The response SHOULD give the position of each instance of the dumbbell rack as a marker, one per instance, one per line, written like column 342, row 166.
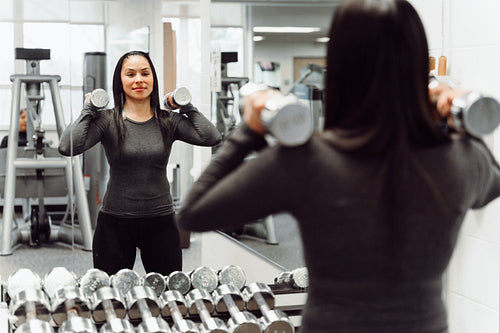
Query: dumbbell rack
column 288, row 299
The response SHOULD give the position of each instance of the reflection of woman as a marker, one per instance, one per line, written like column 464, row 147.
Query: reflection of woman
column 137, row 136
column 379, row 196
column 22, row 140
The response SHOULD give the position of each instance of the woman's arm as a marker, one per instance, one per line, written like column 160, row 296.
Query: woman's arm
column 83, row 133
column 196, row 129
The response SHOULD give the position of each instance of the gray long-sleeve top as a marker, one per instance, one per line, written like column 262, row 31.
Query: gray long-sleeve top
column 332, row 193
column 138, row 184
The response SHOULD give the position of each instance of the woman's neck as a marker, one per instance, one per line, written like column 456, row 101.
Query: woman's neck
column 137, row 110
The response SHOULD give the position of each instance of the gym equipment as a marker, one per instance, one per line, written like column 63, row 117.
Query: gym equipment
column 204, row 277
column 155, row 281
column 177, row 99
column 228, row 298
column 29, row 306
column 92, row 280
column 297, row 278
column 259, row 296
column 173, row 305
column 232, row 274
column 124, row 280
column 40, row 229
column 58, row 278
column 287, row 118
column 108, row 309
column 200, row 302
column 99, row 98
column 179, row 281
column 473, row 112
column 142, row 305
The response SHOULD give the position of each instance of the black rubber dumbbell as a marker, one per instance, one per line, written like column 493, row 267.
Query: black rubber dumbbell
column 258, row 296
column 228, row 298
column 142, row 305
column 200, row 302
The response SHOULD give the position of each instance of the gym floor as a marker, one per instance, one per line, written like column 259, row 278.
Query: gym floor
column 287, row 253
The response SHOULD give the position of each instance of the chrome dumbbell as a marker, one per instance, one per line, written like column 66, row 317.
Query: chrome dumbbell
column 228, row 298
column 258, row 296
column 297, row 278
column 124, row 280
column 173, row 304
column 232, row 274
column 177, row 99
column 200, row 302
column 178, row 280
column 155, row 281
column 99, row 98
column 142, row 305
column 204, row 277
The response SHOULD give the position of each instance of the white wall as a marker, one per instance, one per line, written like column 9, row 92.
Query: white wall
column 468, row 34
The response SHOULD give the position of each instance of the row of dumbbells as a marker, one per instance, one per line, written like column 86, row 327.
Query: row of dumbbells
column 108, row 300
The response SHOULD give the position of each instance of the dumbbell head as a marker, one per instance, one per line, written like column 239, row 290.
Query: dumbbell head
column 263, row 289
column 99, row 98
column 240, row 322
column 172, row 296
column 92, row 280
column 204, row 277
column 77, row 325
column 179, row 281
column 124, row 280
column 298, row 278
column 232, row 274
column 58, row 278
column 208, row 325
column 22, row 279
column 276, row 321
column 35, row 325
column 176, row 99
column 73, row 298
column 155, row 281
column 99, row 307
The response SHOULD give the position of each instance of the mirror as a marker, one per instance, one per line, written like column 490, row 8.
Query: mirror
column 280, row 57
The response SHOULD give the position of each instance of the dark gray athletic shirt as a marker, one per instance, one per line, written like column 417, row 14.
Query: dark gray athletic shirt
column 138, row 184
column 331, row 194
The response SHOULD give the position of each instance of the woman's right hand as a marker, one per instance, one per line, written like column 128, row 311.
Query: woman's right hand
column 253, row 106
column 443, row 95
column 87, row 98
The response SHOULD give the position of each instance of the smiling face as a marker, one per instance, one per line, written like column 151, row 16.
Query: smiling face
column 137, row 78
column 22, row 121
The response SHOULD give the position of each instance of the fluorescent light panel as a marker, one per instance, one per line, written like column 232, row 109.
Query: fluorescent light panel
column 299, row 30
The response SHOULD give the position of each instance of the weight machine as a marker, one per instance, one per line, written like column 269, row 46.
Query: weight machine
column 37, row 157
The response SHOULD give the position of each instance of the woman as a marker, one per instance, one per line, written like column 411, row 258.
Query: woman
column 379, row 195
column 137, row 136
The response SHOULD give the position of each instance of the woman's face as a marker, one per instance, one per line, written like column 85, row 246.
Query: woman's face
column 137, row 78
column 22, row 121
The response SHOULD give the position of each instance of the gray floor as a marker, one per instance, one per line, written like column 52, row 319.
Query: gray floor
column 287, row 253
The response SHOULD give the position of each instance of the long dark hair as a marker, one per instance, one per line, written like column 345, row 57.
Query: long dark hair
column 377, row 100
column 162, row 116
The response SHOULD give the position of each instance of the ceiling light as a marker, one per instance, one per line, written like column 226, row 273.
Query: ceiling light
column 258, row 38
column 286, row 29
column 323, row 39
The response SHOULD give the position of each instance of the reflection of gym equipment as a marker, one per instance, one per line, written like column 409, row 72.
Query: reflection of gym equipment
column 227, row 107
column 309, row 87
column 39, row 230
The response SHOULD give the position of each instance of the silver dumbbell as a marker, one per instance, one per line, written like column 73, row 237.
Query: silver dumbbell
column 142, row 305
column 200, row 303
column 29, row 306
column 155, row 281
column 92, row 280
column 204, row 277
column 179, row 281
column 177, row 99
column 228, row 298
column 288, row 119
column 173, row 304
column 232, row 274
column 99, row 98
column 108, row 309
column 259, row 296
column 297, row 278
column 70, row 308
column 124, row 280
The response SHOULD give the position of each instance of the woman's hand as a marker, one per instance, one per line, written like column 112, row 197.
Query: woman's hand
column 443, row 95
column 87, row 98
column 254, row 104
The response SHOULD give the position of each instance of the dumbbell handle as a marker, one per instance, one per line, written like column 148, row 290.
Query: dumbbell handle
column 202, row 310
column 144, row 309
column 109, row 310
column 261, row 302
column 30, row 311
column 175, row 312
column 231, row 306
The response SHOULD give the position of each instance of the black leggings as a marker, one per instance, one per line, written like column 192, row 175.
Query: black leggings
column 116, row 241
